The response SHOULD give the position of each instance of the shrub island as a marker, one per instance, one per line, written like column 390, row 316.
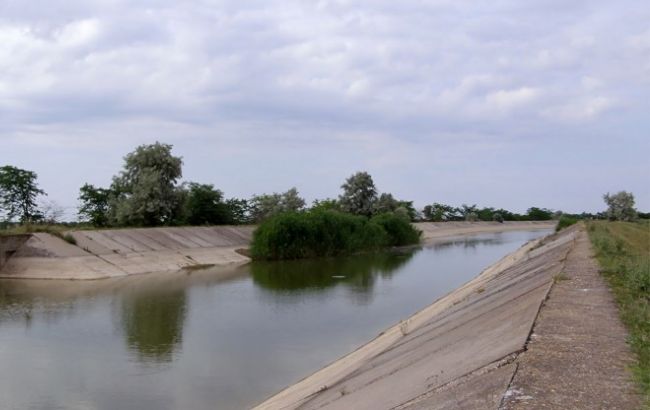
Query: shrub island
column 318, row 233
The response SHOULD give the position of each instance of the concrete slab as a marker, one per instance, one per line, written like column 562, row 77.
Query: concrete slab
column 85, row 241
column 577, row 357
column 474, row 327
column 481, row 391
column 104, row 240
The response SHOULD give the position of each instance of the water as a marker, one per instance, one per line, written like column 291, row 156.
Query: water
column 215, row 339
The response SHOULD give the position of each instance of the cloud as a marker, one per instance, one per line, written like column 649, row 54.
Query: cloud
column 507, row 100
column 581, row 110
column 293, row 75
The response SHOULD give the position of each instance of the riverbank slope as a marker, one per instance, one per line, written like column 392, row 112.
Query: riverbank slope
column 468, row 350
column 97, row 254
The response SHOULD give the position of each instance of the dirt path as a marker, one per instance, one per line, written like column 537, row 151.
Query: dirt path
column 577, row 354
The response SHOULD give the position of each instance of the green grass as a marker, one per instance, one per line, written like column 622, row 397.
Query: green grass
column 623, row 251
column 564, row 222
column 328, row 233
column 57, row 230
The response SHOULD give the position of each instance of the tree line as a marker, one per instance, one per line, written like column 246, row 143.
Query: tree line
column 147, row 192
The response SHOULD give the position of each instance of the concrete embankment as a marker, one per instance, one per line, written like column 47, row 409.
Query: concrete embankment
column 464, row 351
column 432, row 231
column 120, row 252
column 9, row 245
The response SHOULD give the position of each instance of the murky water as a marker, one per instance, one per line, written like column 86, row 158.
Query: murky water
column 214, row 339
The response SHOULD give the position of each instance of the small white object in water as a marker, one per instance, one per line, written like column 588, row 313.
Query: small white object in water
column 338, row 277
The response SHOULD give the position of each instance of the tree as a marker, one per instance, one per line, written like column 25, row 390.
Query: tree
column 507, row 215
column 18, row 193
column 94, row 204
column 325, row 204
column 291, row 201
column 486, row 214
column 267, row 205
column 145, row 192
column 620, row 206
column 204, row 205
column 386, row 203
column 539, row 214
column 359, row 194
column 409, row 208
column 440, row 212
column 469, row 212
column 239, row 211
column 50, row 212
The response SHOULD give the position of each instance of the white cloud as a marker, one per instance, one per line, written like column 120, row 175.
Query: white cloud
column 273, row 71
column 582, row 110
column 507, row 100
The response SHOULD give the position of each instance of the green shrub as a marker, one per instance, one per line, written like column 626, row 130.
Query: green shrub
column 565, row 221
column 328, row 233
column 400, row 231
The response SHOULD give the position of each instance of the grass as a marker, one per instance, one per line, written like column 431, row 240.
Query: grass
column 57, row 230
column 623, row 251
column 564, row 222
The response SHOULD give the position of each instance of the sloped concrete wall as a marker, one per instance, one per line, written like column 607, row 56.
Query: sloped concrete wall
column 458, row 353
column 121, row 252
column 9, row 245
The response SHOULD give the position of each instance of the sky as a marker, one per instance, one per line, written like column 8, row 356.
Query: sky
column 498, row 103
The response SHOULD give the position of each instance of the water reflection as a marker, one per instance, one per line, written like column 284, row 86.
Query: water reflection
column 466, row 242
column 244, row 333
column 358, row 273
column 153, row 324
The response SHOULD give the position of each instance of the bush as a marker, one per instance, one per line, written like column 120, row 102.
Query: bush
column 400, row 231
column 565, row 221
column 328, row 233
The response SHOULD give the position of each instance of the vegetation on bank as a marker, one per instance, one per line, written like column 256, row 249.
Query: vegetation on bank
column 148, row 191
column 565, row 221
column 623, row 251
column 329, row 233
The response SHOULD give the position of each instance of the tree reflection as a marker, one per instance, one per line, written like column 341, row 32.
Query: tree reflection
column 357, row 272
column 467, row 243
column 153, row 324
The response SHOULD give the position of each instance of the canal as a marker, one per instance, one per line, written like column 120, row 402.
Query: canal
column 215, row 338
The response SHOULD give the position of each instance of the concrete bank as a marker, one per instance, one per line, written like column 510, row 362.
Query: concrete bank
column 463, row 351
column 9, row 245
column 432, row 231
column 121, row 252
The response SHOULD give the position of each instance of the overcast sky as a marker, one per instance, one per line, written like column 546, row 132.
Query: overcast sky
column 501, row 103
